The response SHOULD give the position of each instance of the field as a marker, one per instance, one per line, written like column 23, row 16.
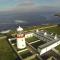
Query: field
column 28, row 55
column 25, row 54
column 55, row 30
column 32, row 39
column 38, row 44
column 6, row 52
column 58, row 48
column 31, row 28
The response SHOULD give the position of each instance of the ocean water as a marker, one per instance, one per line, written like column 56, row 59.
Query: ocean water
column 10, row 21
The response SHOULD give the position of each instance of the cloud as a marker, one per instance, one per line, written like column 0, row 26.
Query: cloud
column 25, row 6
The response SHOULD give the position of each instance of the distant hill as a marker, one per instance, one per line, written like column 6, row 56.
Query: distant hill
column 58, row 14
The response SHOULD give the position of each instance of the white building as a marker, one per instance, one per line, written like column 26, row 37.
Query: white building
column 49, row 45
column 56, row 37
column 37, row 30
column 29, row 35
column 45, row 34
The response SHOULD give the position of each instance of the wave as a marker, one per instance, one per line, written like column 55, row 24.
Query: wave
column 20, row 21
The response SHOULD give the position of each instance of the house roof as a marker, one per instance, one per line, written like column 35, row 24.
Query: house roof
column 48, row 44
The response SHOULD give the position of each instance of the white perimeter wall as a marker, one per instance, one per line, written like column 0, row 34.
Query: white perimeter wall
column 44, row 50
column 29, row 35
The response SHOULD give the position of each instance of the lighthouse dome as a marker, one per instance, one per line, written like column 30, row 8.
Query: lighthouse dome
column 19, row 29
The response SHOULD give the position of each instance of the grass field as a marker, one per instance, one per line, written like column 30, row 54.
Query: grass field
column 6, row 52
column 58, row 48
column 25, row 54
column 35, row 27
column 38, row 44
column 55, row 30
column 32, row 39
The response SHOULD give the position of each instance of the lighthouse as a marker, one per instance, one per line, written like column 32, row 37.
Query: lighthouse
column 20, row 38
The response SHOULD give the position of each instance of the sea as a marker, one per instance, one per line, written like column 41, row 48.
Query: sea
column 13, row 20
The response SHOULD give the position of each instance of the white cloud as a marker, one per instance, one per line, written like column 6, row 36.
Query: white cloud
column 25, row 6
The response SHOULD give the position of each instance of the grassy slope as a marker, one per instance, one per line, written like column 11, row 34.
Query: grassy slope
column 5, row 51
column 35, row 27
column 54, row 30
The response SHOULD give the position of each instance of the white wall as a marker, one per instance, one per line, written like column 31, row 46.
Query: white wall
column 44, row 50
column 21, row 43
column 29, row 35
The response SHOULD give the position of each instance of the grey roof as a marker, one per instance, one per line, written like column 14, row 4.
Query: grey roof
column 48, row 44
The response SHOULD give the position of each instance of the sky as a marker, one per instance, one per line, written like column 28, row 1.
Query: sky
column 19, row 5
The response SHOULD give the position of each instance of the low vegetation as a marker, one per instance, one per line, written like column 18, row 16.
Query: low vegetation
column 25, row 54
column 31, row 39
column 6, row 52
column 38, row 44
column 55, row 30
column 58, row 48
column 35, row 27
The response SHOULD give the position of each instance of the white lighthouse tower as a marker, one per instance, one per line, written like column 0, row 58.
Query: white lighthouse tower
column 20, row 38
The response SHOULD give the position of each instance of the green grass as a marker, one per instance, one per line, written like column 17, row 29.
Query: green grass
column 1, row 35
column 6, row 52
column 31, row 39
column 38, row 44
column 35, row 27
column 55, row 30
column 25, row 54
column 31, row 28
column 58, row 48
